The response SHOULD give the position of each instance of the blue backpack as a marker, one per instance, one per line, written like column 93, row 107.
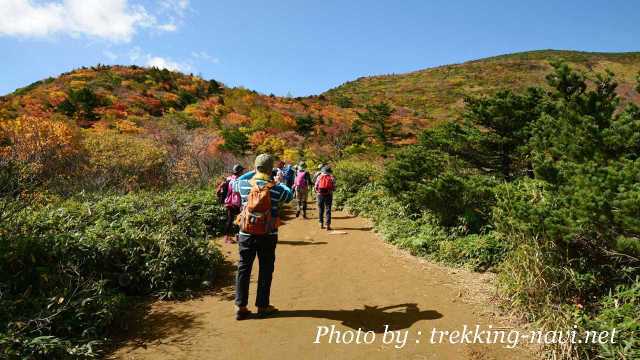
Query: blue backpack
column 288, row 173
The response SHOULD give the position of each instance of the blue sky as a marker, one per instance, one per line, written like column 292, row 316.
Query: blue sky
column 295, row 47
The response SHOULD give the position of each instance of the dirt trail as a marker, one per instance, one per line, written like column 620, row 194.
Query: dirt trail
column 351, row 280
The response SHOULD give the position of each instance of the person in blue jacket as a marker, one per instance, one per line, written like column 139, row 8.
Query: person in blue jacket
column 264, row 246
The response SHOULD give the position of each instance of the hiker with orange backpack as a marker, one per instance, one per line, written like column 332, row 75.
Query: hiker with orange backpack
column 231, row 201
column 301, row 188
column 258, row 220
column 324, row 187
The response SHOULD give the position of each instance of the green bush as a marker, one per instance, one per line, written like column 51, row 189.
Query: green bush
column 352, row 175
column 619, row 310
column 435, row 181
column 67, row 269
column 422, row 234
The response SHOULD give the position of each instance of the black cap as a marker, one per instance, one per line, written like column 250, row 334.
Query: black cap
column 237, row 168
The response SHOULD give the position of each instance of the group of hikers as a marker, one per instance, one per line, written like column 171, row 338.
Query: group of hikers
column 253, row 201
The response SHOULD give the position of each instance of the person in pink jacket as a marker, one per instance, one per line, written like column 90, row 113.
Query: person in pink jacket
column 232, row 203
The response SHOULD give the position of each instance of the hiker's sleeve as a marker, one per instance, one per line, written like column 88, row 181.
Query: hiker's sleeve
column 287, row 194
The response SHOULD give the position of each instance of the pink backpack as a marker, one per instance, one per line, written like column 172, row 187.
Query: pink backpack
column 233, row 198
column 301, row 180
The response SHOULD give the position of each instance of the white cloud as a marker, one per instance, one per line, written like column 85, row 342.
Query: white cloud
column 137, row 56
column 162, row 63
column 203, row 55
column 113, row 20
column 23, row 18
column 168, row 27
column 175, row 11
column 177, row 7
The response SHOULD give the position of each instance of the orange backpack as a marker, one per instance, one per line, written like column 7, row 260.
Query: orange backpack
column 256, row 217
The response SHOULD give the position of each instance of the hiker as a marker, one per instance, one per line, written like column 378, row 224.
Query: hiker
column 278, row 172
column 258, row 220
column 289, row 175
column 324, row 186
column 301, row 187
column 232, row 202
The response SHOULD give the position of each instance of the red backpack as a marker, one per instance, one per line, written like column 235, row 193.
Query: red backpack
column 325, row 183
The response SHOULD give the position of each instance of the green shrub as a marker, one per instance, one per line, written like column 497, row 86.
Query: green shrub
column 479, row 252
column 619, row 310
column 422, row 234
column 67, row 268
column 435, row 181
column 352, row 175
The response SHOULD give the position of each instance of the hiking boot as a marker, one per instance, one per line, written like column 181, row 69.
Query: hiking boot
column 242, row 314
column 328, row 227
column 297, row 214
column 266, row 311
column 321, row 226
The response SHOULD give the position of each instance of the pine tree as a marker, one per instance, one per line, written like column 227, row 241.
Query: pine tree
column 382, row 127
column 235, row 141
column 305, row 125
column 504, row 120
column 589, row 149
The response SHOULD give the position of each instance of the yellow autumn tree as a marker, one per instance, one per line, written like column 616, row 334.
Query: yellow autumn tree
column 272, row 145
column 47, row 145
column 123, row 161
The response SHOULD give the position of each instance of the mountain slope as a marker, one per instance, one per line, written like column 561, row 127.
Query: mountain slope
column 437, row 93
column 187, row 124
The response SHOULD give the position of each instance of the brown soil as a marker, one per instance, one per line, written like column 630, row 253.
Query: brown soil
column 350, row 279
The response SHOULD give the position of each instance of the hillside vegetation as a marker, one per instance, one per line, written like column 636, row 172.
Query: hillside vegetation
column 182, row 127
column 437, row 94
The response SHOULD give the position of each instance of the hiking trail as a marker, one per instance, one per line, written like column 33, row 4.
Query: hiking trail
column 350, row 279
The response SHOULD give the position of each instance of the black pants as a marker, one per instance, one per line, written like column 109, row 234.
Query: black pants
column 265, row 247
column 325, row 201
column 229, row 227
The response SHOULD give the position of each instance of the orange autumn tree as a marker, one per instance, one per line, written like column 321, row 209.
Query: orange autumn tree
column 47, row 145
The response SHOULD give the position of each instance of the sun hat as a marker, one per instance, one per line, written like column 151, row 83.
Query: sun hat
column 264, row 163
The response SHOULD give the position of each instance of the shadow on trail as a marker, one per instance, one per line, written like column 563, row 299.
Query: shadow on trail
column 371, row 318
column 366, row 228
column 301, row 243
column 224, row 281
column 145, row 326
column 157, row 326
column 343, row 217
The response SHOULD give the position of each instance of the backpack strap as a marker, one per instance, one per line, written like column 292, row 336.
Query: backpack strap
column 269, row 185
